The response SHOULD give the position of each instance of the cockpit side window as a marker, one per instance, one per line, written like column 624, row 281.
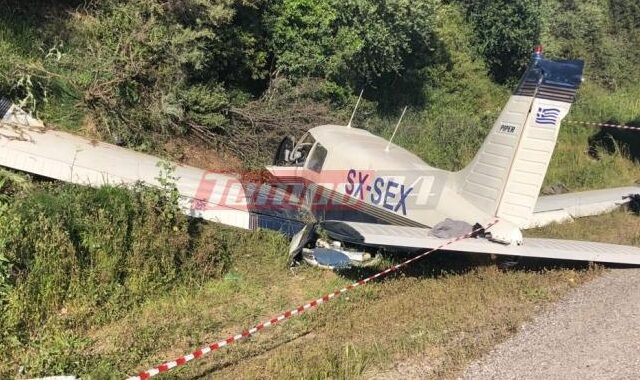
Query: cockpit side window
column 316, row 160
column 307, row 139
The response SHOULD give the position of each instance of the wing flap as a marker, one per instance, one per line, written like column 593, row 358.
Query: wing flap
column 413, row 237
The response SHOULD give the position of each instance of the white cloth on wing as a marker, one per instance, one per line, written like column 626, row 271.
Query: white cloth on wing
column 450, row 228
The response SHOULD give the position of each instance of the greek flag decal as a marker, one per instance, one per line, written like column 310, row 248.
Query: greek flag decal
column 547, row 116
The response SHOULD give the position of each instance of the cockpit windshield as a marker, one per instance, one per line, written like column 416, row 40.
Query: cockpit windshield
column 301, row 150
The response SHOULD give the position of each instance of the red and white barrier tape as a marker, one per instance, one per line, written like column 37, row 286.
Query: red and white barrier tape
column 603, row 125
column 290, row 313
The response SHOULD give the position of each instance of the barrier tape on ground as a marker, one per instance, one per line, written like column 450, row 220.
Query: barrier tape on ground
column 603, row 125
column 167, row 366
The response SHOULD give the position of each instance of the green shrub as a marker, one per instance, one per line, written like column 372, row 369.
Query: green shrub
column 355, row 43
column 146, row 70
column 57, row 350
column 506, row 32
column 135, row 67
column 592, row 31
column 625, row 15
column 462, row 101
column 78, row 248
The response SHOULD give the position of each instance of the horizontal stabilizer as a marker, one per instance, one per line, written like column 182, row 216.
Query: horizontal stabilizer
column 420, row 238
column 565, row 207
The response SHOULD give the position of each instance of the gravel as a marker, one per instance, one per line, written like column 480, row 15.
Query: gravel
column 593, row 333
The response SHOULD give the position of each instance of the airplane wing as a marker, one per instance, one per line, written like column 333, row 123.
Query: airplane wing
column 420, row 238
column 566, row 207
column 27, row 145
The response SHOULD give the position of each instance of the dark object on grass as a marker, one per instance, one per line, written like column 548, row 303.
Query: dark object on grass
column 634, row 203
column 612, row 140
column 558, row 188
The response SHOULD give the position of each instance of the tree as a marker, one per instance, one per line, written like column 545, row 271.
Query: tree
column 506, row 32
column 625, row 14
column 352, row 42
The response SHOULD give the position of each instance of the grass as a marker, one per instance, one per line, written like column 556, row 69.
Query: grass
column 597, row 103
column 446, row 310
column 571, row 165
column 620, row 227
column 53, row 90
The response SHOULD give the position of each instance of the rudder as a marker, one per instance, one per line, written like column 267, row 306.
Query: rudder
column 505, row 177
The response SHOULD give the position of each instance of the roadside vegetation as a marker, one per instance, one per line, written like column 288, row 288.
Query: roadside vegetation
column 102, row 283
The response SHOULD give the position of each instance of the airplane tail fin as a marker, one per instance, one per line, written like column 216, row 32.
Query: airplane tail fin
column 505, row 177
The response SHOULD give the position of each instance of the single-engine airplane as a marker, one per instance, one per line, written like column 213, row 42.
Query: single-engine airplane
column 367, row 194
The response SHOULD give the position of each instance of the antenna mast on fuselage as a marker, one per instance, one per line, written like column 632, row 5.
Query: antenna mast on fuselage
column 395, row 130
column 355, row 109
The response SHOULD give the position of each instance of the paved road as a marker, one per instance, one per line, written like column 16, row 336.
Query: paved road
column 593, row 333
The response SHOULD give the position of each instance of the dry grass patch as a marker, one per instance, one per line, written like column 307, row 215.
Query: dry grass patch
column 444, row 311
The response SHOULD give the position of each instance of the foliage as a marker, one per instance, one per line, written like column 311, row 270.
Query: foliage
column 506, row 32
column 75, row 258
column 625, row 15
column 146, row 69
column 145, row 55
column 462, row 102
column 303, row 34
column 72, row 250
column 590, row 30
column 138, row 72
column 139, row 69
column 357, row 43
